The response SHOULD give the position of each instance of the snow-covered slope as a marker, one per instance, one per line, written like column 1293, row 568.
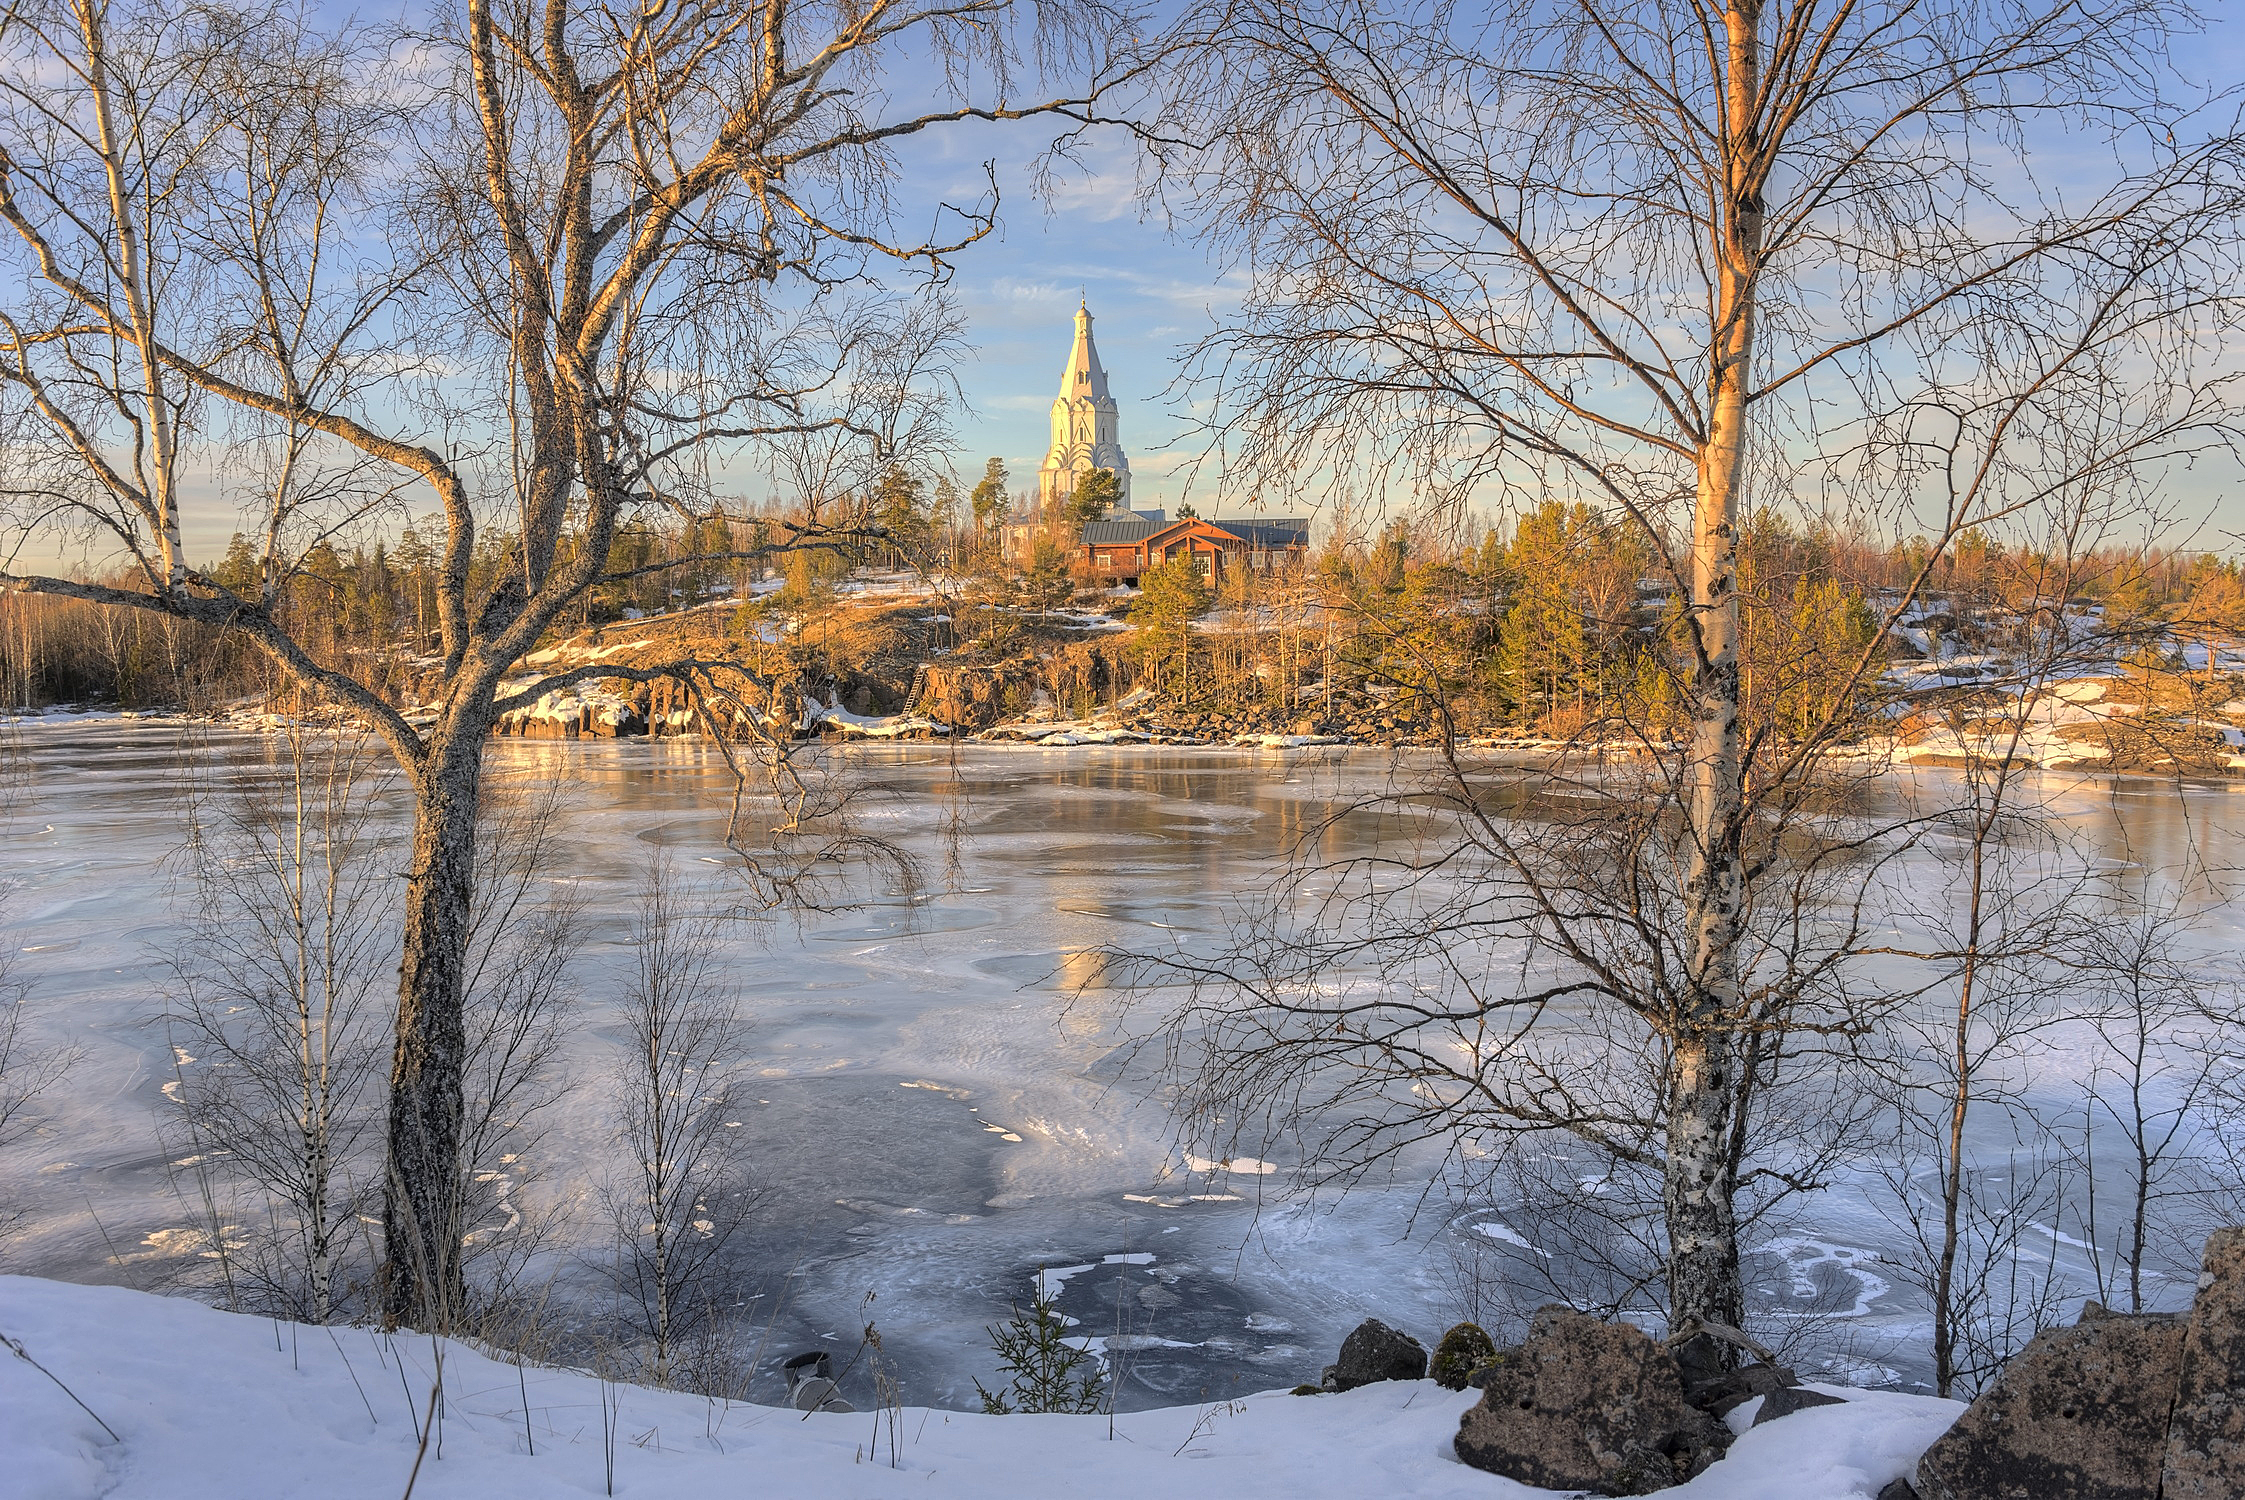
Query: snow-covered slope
column 208, row 1404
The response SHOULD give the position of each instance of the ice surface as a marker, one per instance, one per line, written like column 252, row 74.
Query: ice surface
column 940, row 1111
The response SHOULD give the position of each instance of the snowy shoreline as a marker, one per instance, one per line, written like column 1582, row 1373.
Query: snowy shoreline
column 1944, row 752
column 207, row 1403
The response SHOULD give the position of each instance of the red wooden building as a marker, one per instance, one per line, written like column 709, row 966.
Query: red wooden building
column 1122, row 551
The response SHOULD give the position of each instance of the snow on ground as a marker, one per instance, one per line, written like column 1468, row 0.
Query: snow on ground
column 875, row 727
column 209, row 1404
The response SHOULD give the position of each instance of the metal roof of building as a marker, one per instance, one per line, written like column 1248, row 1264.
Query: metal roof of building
column 1283, row 533
column 1292, row 532
column 1119, row 533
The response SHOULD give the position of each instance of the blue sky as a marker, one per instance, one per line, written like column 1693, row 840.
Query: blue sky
column 1152, row 293
column 1149, row 294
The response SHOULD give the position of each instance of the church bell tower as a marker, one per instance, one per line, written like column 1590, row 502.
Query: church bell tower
column 1083, row 426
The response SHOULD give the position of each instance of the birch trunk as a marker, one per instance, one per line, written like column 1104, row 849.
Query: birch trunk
column 1701, row 1177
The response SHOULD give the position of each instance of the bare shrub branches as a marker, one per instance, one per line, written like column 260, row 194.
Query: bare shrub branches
column 279, row 1022
column 279, row 1019
column 681, row 1193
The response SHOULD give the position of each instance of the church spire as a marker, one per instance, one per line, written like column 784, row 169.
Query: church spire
column 1084, row 378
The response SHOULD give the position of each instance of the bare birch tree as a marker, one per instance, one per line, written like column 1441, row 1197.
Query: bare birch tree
column 551, row 275
column 2148, row 1148
column 279, row 1018
column 683, row 1192
column 1974, row 1170
column 278, row 1014
column 1682, row 259
column 526, row 933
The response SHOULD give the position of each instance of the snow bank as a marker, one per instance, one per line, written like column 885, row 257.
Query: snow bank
column 860, row 726
column 1064, row 732
column 208, row 1404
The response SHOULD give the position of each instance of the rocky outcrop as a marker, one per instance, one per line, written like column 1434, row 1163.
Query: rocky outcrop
column 1374, row 1352
column 2205, row 1453
column 570, row 714
column 966, row 697
column 1587, row 1405
column 2080, row 1414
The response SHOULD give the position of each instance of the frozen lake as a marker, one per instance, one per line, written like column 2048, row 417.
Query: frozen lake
column 938, row 1113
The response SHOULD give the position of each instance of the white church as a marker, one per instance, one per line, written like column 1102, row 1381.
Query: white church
column 1126, row 540
column 1084, row 430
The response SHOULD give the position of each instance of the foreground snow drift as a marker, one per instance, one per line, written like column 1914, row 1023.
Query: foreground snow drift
column 210, row 1404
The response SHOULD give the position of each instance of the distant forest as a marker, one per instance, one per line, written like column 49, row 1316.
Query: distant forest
column 1551, row 624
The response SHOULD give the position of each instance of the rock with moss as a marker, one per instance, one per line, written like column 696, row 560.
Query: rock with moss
column 1463, row 1350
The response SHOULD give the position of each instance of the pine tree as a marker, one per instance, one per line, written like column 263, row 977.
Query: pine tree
column 1094, row 495
column 239, row 570
column 943, row 510
column 1048, row 581
column 987, row 501
column 900, row 508
column 1033, row 1347
column 1170, row 597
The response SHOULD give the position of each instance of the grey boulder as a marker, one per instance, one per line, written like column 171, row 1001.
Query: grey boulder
column 2079, row 1414
column 1792, row 1398
column 811, row 1385
column 1588, row 1405
column 1375, row 1352
column 2205, row 1458
column 1718, row 1394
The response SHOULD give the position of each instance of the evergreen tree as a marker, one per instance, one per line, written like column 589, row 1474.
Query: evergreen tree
column 1170, row 597
column 943, row 510
column 1828, row 626
column 238, row 570
column 1543, row 649
column 1390, row 556
column 1048, row 581
column 987, row 501
column 1094, row 495
column 1033, row 1347
column 416, row 563
column 2216, row 611
column 900, row 508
